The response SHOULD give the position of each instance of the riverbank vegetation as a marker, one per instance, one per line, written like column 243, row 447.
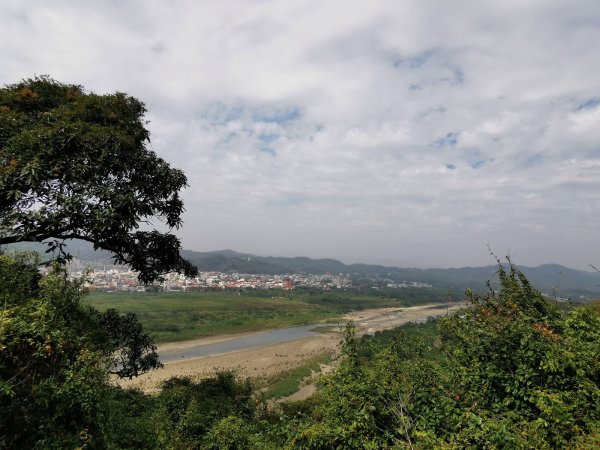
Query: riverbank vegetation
column 179, row 316
column 288, row 382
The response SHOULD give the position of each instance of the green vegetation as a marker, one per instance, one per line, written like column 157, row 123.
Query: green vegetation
column 180, row 316
column 55, row 355
column 327, row 329
column 512, row 370
column 287, row 382
column 214, row 413
column 359, row 299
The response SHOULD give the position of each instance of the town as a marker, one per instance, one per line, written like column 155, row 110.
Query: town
column 114, row 278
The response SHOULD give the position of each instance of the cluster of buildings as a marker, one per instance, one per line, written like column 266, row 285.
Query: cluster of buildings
column 111, row 278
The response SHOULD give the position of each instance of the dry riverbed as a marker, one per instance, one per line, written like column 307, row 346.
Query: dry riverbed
column 259, row 362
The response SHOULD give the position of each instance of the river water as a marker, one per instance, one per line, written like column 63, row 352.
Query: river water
column 386, row 319
column 240, row 343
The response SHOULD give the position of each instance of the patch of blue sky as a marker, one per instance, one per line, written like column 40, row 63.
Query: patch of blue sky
column 267, row 138
column 476, row 158
column 414, row 62
column 231, row 136
column 281, row 116
column 451, row 166
column 533, row 160
column 220, row 114
column 594, row 153
column 589, row 104
column 266, row 149
column 450, row 140
column 478, row 164
column 432, row 112
column 458, row 76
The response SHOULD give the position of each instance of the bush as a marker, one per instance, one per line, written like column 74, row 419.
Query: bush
column 55, row 354
column 53, row 386
column 511, row 370
column 187, row 411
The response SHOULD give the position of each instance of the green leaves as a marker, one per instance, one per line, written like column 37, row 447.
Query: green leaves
column 131, row 351
column 76, row 165
column 510, row 371
column 52, row 381
column 55, row 354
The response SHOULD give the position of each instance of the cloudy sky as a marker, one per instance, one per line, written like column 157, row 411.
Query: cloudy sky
column 410, row 133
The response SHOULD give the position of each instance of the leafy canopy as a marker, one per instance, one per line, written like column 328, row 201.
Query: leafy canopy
column 76, row 165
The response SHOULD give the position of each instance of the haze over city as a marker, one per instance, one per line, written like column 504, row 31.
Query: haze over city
column 409, row 133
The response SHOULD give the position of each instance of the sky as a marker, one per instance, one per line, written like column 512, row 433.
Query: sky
column 413, row 133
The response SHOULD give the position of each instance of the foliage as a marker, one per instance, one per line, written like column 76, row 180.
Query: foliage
column 287, row 382
column 522, row 363
column 54, row 355
column 131, row 422
column 231, row 433
column 132, row 351
column 77, row 165
column 511, row 370
column 214, row 413
column 187, row 411
column 52, row 382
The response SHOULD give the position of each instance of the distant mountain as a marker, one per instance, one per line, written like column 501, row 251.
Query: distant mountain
column 230, row 261
column 550, row 278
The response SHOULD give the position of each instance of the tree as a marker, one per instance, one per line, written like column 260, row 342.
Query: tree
column 76, row 165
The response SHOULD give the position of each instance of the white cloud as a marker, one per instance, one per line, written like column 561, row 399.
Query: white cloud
column 411, row 132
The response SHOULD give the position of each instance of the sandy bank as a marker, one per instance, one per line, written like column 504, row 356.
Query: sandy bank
column 254, row 362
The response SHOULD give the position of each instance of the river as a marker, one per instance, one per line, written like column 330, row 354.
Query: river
column 367, row 321
column 240, row 343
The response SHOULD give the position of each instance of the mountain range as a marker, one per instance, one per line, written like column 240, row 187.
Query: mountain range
column 549, row 278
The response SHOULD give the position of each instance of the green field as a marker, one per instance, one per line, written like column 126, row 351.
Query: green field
column 180, row 316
